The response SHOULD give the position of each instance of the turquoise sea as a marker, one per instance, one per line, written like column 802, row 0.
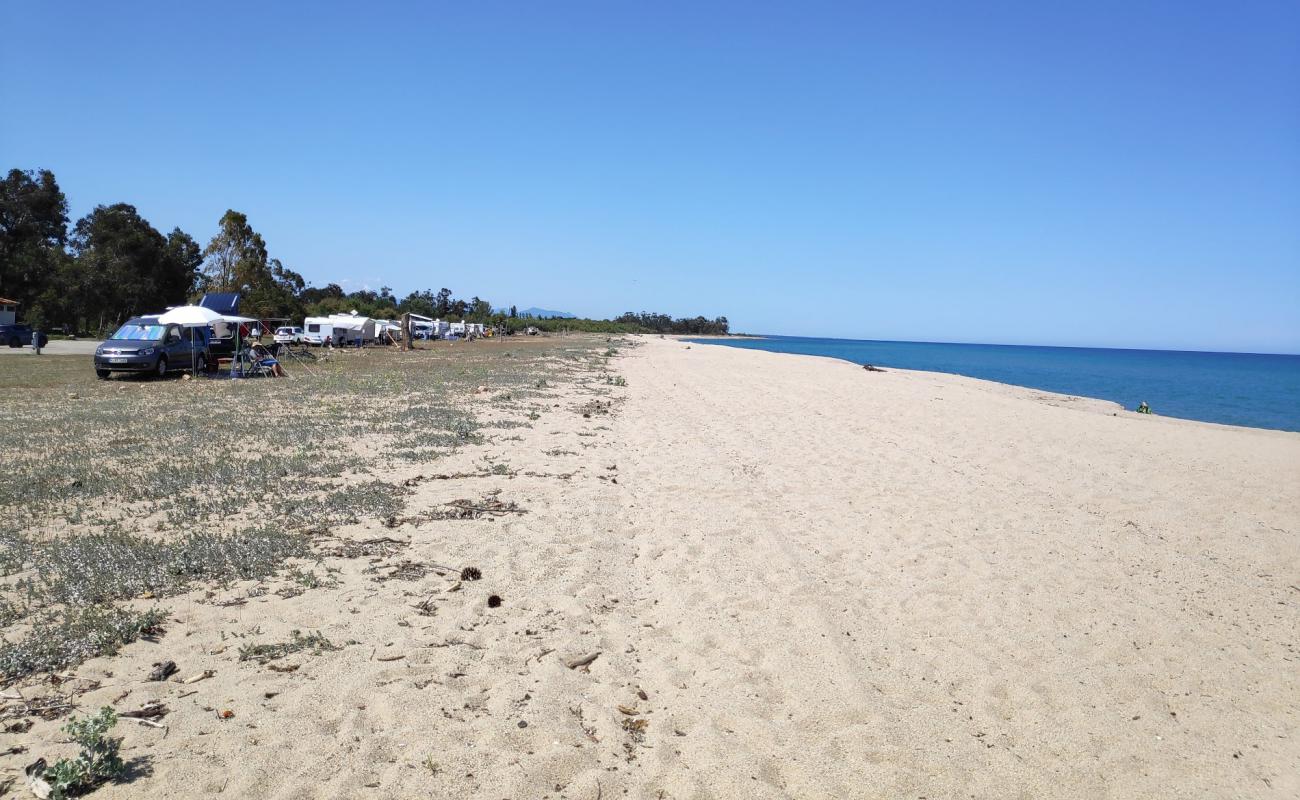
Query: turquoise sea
column 1261, row 391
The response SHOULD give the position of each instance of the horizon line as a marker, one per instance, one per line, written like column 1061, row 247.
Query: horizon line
column 1007, row 344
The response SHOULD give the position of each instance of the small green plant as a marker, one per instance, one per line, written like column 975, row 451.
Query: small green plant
column 616, row 380
column 98, row 761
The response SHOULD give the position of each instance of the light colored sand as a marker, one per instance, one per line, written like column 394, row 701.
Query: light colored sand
column 828, row 583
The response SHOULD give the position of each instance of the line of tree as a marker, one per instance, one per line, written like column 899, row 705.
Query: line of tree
column 662, row 323
column 112, row 264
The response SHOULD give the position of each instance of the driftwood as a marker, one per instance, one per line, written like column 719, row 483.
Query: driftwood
column 582, row 662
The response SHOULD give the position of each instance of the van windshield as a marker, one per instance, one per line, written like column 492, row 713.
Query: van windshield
column 140, row 332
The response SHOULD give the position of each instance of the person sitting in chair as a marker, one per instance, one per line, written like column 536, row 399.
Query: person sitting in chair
column 264, row 358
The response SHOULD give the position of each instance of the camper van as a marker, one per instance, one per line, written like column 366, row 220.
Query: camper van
column 360, row 330
column 322, row 331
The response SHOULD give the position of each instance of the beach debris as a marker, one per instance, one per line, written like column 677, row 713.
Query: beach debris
column 204, row 675
column 397, row 657
column 494, row 601
column 19, row 726
column 36, row 783
column 263, row 653
column 872, row 368
column 628, row 710
column 162, row 670
column 283, row 667
column 425, row 607
column 489, row 505
column 153, row 710
column 458, row 642
column 470, row 574
column 582, row 661
column 588, row 730
column 641, row 694
column 545, row 652
column 225, row 714
column 49, row 707
column 406, row 570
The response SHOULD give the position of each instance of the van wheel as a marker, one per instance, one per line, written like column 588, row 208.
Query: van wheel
column 102, row 374
column 13, row 341
column 162, row 366
column 203, row 364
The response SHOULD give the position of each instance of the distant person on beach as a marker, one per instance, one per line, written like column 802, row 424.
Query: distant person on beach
column 1143, row 408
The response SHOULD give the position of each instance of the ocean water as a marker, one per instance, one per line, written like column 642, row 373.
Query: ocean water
column 1261, row 391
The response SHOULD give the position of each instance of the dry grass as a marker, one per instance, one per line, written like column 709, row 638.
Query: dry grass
column 130, row 490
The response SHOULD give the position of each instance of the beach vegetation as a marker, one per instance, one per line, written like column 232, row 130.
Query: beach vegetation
column 97, row 762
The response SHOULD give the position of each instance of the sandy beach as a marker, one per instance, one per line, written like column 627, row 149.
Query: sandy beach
column 797, row 579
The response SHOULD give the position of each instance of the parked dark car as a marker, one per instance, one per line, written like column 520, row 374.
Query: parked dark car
column 145, row 345
column 19, row 336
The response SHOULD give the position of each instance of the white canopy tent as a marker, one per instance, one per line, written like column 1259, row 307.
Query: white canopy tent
column 189, row 316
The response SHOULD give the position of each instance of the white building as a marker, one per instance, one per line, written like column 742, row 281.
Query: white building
column 8, row 311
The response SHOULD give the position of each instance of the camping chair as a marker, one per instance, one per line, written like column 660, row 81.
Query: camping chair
column 248, row 365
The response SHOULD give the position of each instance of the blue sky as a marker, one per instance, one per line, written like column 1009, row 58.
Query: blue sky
column 1105, row 173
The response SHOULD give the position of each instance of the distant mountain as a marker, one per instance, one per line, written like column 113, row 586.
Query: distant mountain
column 544, row 312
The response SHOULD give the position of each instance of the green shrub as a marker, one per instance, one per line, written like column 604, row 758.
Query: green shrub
column 53, row 643
column 98, row 761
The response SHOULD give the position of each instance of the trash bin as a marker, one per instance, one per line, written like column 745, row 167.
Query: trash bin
column 36, row 341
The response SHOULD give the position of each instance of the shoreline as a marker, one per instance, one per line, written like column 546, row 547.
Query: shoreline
column 1111, row 405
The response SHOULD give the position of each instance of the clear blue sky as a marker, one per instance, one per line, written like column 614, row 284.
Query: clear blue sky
column 1103, row 173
